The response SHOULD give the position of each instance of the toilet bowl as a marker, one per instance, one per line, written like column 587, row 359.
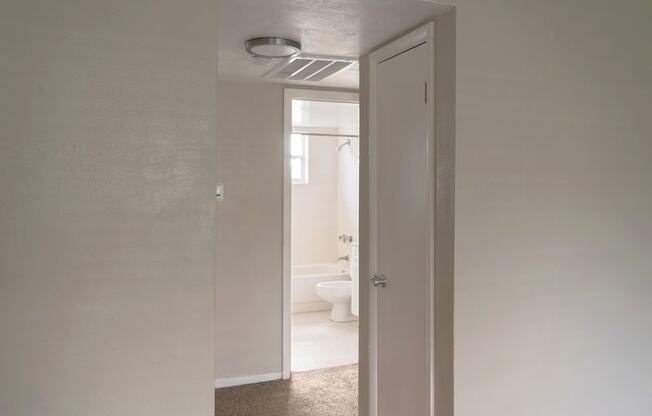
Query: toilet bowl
column 338, row 293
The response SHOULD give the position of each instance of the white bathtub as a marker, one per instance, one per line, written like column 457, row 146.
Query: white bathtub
column 304, row 279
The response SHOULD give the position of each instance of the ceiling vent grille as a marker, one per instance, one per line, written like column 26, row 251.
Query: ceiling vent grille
column 309, row 68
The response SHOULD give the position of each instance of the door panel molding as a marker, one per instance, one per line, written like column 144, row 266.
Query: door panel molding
column 440, row 213
column 439, row 34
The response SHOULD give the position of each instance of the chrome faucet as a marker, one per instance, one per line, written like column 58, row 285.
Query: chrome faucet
column 345, row 238
column 343, row 258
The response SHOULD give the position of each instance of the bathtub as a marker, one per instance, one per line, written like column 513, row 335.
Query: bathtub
column 303, row 281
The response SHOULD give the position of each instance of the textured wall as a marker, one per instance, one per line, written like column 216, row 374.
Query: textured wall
column 553, row 278
column 249, row 229
column 107, row 132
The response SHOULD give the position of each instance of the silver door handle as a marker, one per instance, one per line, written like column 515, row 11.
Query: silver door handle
column 379, row 280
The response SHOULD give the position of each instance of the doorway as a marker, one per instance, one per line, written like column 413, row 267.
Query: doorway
column 321, row 230
column 433, row 325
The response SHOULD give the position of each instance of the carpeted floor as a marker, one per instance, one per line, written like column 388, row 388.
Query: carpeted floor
column 325, row 392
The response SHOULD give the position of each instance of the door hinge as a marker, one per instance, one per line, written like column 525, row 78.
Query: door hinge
column 425, row 92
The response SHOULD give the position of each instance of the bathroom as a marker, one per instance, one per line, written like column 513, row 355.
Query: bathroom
column 324, row 171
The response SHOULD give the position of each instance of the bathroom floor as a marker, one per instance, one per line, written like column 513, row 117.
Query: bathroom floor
column 317, row 342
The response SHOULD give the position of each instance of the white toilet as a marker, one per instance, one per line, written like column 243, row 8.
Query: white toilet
column 337, row 292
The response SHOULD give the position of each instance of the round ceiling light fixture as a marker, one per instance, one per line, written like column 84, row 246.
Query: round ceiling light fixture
column 273, row 47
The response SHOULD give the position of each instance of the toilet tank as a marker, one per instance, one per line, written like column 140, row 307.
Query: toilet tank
column 355, row 276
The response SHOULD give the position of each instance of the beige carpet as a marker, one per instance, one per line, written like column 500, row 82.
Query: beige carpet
column 327, row 392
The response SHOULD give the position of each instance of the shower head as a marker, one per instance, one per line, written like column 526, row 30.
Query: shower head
column 346, row 143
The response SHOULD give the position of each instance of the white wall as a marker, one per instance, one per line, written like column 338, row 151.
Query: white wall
column 318, row 115
column 327, row 206
column 315, row 206
column 347, row 193
column 553, row 280
column 249, row 230
column 107, row 135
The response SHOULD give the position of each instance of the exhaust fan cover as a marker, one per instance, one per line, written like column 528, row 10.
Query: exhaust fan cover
column 309, row 68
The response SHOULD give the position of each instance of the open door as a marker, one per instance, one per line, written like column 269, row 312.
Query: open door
column 402, row 215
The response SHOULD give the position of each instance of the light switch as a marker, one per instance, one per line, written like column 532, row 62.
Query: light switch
column 219, row 192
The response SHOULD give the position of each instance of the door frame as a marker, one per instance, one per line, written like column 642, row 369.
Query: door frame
column 424, row 34
column 289, row 95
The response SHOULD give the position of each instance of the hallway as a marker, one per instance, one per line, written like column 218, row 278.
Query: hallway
column 326, row 392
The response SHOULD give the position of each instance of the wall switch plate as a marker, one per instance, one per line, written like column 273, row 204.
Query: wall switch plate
column 219, row 192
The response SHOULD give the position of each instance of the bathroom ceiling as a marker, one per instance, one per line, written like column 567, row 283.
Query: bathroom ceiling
column 346, row 28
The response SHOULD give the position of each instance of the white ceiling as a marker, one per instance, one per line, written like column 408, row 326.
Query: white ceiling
column 347, row 28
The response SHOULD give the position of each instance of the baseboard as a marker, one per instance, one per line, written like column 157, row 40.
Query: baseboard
column 311, row 307
column 239, row 381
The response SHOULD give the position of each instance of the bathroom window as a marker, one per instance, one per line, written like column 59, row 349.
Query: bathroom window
column 299, row 158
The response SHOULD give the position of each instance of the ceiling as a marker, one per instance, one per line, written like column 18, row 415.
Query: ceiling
column 346, row 28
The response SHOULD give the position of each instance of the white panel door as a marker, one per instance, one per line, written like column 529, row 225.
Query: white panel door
column 401, row 172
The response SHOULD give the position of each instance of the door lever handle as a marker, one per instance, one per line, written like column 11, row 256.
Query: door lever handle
column 379, row 280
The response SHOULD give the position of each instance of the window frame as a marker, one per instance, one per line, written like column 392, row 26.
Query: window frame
column 304, row 157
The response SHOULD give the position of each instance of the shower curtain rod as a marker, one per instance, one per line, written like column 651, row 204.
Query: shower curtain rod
column 325, row 134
